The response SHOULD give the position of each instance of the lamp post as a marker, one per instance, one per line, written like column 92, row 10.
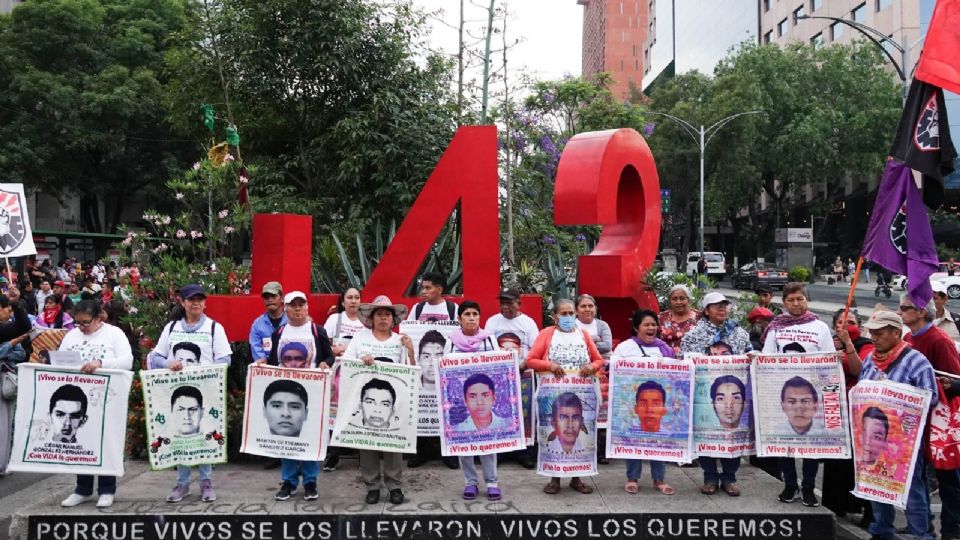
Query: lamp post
column 701, row 136
column 879, row 38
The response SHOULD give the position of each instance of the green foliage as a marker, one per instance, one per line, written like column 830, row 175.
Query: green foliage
column 81, row 112
column 800, row 274
column 945, row 252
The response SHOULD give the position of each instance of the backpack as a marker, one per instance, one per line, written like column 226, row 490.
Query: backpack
column 213, row 327
column 451, row 310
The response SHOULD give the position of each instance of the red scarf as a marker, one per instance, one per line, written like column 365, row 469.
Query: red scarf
column 883, row 360
column 50, row 314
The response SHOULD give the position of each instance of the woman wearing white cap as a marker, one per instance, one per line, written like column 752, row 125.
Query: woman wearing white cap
column 381, row 343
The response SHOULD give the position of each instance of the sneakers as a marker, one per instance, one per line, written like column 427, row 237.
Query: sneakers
column 75, row 499
column 286, row 490
column 105, row 500
column 452, row 463
column 373, row 496
column 310, row 491
column 808, row 498
column 330, row 464
column 788, row 495
column 178, row 492
column 396, row 496
column 207, row 494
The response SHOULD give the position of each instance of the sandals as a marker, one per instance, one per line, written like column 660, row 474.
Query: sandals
column 708, row 489
column 552, row 487
column 493, row 494
column 663, row 487
column 578, row 485
column 470, row 492
column 631, row 486
column 732, row 489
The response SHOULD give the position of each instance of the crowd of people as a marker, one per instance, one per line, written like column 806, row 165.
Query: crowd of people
column 905, row 345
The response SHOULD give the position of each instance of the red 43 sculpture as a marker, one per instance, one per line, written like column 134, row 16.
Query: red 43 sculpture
column 604, row 178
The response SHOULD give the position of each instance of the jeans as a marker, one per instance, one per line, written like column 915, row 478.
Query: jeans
column 106, row 485
column 918, row 509
column 949, row 482
column 788, row 467
column 710, row 475
column 469, row 468
column 658, row 469
column 291, row 470
column 183, row 473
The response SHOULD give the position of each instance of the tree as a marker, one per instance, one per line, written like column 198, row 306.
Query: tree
column 334, row 106
column 81, row 112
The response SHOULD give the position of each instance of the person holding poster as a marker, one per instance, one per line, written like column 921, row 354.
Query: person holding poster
column 650, row 400
column 263, row 327
column 894, row 360
column 511, row 320
column 100, row 346
column 300, row 343
column 341, row 327
column 798, row 330
column 379, row 342
column 559, row 349
column 285, row 406
column 194, row 327
column 714, row 333
column 480, row 396
column 429, row 349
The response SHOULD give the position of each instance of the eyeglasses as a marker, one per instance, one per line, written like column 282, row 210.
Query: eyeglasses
column 82, row 323
column 907, row 308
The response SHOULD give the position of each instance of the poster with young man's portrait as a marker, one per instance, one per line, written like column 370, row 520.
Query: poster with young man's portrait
column 429, row 339
column 284, row 414
column 186, row 414
column 65, row 420
column 651, row 409
column 567, row 409
column 378, row 407
column 723, row 407
column 804, row 406
column 480, row 404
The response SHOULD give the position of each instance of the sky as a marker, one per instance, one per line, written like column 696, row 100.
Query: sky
column 549, row 31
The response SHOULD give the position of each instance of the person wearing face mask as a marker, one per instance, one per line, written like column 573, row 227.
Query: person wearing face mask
column 560, row 349
column 644, row 343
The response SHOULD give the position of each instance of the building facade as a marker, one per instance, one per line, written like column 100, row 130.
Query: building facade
column 615, row 34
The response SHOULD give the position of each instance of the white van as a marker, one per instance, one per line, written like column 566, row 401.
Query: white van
column 716, row 263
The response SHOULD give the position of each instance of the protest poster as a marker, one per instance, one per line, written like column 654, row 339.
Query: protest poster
column 378, row 407
column 888, row 420
column 651, row 411
column 61, row 421
column 186, row 415
column 567, row 409
column 527, row 389
column 285, row 413
column 480, row 404
column 334, row 395
column 723, row 406
column 429, row 339
column 16, row 239
column 806, row 412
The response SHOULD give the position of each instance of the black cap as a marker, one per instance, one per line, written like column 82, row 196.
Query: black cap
column 189, row 291
column 509, row 294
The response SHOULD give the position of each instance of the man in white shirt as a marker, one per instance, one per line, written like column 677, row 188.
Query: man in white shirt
column 480, row 396
column 511, row 320
column 944, row 320
column 433, row 308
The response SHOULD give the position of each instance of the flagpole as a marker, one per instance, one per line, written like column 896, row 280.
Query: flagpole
column 853, row 287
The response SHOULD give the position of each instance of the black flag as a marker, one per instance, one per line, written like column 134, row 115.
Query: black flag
column 923, row 140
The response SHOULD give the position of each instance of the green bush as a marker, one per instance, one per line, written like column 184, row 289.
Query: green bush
column 800, row 274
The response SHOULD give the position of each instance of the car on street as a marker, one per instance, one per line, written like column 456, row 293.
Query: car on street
column 751, row 275
column 953, row 285
column 716, row 263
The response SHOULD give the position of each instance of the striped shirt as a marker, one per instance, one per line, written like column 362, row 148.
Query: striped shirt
column 911, row 368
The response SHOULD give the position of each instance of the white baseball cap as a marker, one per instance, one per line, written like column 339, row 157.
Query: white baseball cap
column 293, row 295
column 713, row 298
column 939, row 287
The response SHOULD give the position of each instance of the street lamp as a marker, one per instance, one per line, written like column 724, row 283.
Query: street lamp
column 878, row 38
column 701, row 136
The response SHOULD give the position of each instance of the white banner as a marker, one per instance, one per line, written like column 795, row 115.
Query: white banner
column 16, row 238
column 284, row 415
column 186, row 414
column 723, row 407
column 804, row 412
column 480, row 404
column 378, row 407
column 62, row 421
column 429, row 339
column 888, row 422
column 567, row 409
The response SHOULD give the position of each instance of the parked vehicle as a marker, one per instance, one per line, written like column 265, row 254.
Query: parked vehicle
column 899, row 282
column 716, row 263
column 953, row 285
column 751, row 275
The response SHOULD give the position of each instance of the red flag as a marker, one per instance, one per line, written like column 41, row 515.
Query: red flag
column 939, row 62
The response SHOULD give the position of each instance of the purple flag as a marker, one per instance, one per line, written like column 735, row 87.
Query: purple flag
column 899, row 237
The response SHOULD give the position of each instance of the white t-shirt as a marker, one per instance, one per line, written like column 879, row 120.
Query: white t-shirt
column 521, row 325
column 348, row 328
column 109, row 345
column 812, row 337
column 303, row 335
column 590, row 328
column 569, row 350
column 432, row 313
column 629, row 348
column 366, row 343
column 212, row 341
